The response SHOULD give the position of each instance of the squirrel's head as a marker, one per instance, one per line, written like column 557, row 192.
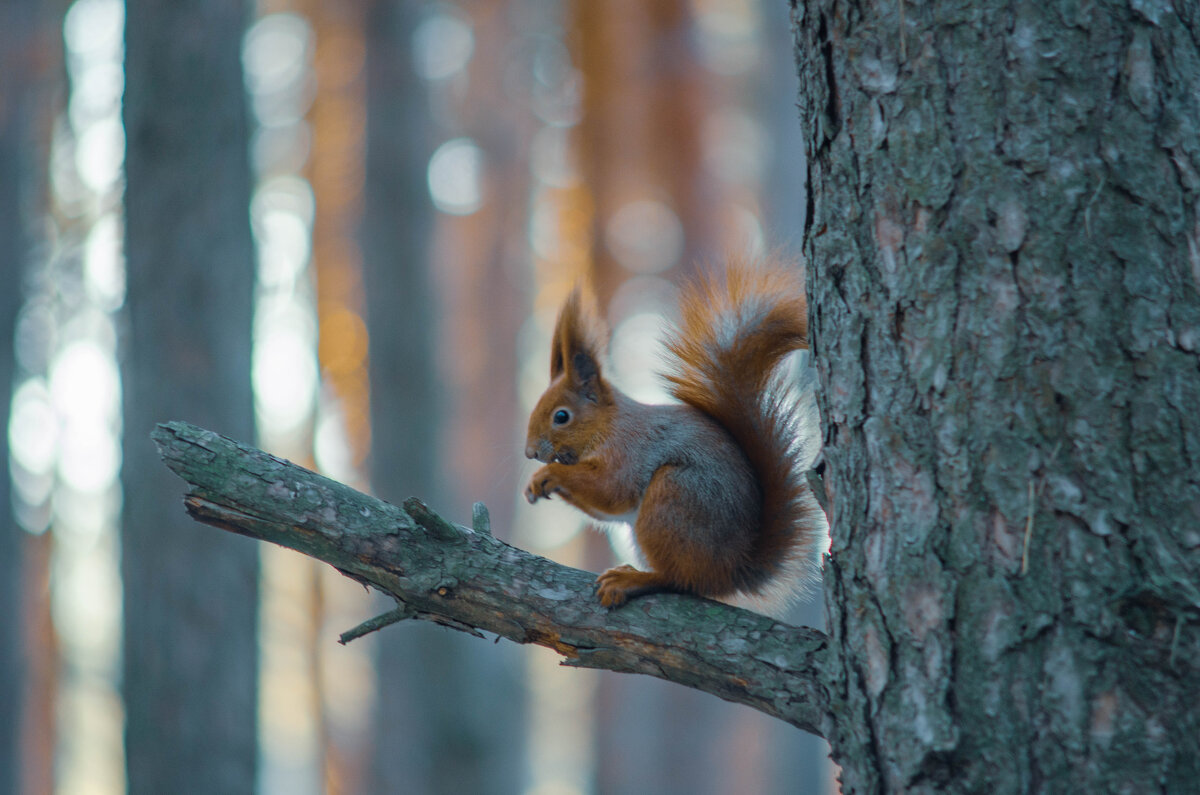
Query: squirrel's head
column 570, row 417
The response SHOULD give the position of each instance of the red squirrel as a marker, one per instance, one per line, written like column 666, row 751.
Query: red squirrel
column 712, row 486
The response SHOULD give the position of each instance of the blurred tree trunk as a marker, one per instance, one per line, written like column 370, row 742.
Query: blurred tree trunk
column 17, row 33
column 405, row 408
column 442, row 723
column 30, row 71
column 1004, row 269
column 190, row 654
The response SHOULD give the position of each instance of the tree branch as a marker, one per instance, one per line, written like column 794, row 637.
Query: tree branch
column 470, row 581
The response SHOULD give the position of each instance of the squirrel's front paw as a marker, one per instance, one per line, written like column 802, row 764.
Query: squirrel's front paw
column 541, row 486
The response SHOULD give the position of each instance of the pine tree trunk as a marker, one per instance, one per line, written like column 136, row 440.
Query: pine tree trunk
column 17, row 24
column 443, row 719
column 30, row 83
column 191, row 599
column 405, row 416
column 1003, row 249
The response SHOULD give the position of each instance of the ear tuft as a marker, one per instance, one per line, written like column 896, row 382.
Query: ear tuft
column 568, row 319
column 584, row 373
column 577, row 342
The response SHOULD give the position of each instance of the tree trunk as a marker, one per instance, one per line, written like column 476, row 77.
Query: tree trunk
column 405, row 409
column 190, row 661
column 1003, row 248
column 30, row 84
column 17, row 25
column 446, row 718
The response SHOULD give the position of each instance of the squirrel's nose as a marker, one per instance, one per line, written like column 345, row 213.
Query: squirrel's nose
column 530, row 451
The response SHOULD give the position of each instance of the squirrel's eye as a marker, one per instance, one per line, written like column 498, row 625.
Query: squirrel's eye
column 561, row 417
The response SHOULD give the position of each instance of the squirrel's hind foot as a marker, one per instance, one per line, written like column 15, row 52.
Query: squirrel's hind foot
column 618, row 585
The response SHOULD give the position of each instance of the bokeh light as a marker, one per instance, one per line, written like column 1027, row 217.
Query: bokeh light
column 284, row 367
column 443, row 43
column 33, row 431
column 273, row 56
column 103, row 264
column 456, row 177
column 65, row 426
column 645, row 236
column 727, row 34
column 93, row 29
column 637, row 352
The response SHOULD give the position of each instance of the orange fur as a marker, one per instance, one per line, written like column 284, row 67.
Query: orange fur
column 712, row 487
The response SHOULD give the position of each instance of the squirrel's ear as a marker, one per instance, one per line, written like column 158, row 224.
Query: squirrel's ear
column 584, row 372
column 575, row 350
column 557, row 360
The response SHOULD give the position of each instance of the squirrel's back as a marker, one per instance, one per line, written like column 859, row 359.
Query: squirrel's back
column 735, row 329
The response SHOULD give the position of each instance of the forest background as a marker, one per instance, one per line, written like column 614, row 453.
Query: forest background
column 339, row 230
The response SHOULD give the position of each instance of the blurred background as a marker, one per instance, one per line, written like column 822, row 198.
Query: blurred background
column 340, row 230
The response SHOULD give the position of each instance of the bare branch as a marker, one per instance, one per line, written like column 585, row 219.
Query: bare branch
column 467, row 580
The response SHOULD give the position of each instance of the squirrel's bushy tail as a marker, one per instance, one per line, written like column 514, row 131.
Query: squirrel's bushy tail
column 735, row 328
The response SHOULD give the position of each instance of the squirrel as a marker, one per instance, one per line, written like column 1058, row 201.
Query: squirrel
column 713, row 486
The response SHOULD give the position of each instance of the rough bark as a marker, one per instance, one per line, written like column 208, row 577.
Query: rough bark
column 469, row 580
column 190, row 703
column 1003, row 249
